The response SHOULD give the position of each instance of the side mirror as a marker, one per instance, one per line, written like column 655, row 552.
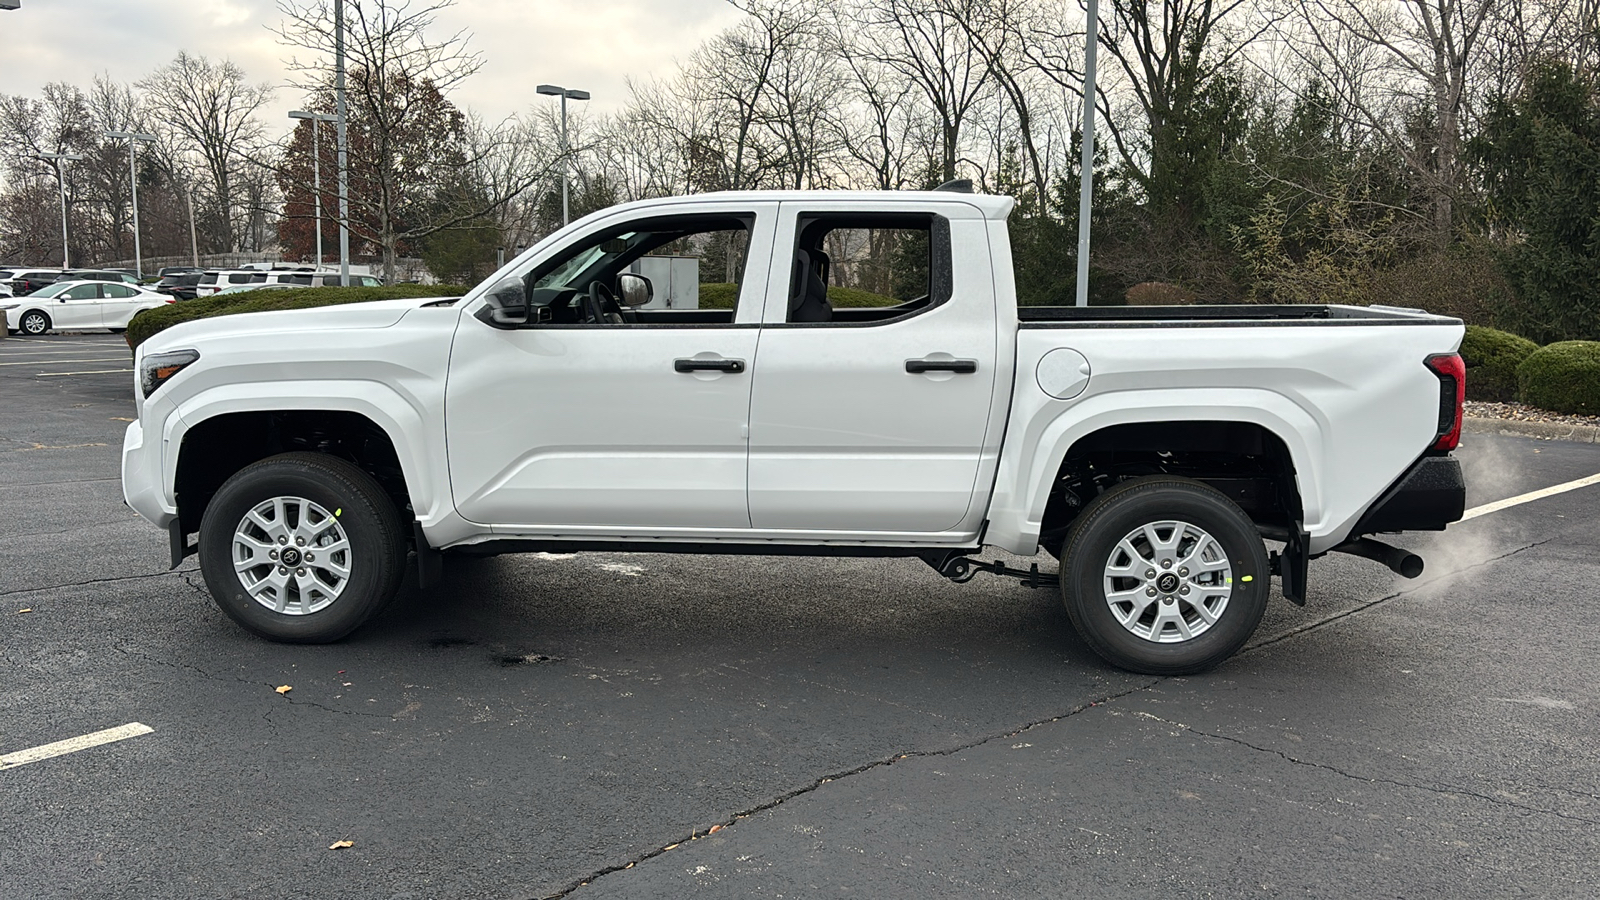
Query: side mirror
column 634, row 290
column 508, row 303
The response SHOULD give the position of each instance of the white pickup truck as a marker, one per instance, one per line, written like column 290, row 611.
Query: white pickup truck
column 1153, row 450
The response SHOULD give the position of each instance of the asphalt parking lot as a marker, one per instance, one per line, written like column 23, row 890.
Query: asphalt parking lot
column 649, row 726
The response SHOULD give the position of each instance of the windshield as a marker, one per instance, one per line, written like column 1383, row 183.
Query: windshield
column 564, row 274
column 54, row 289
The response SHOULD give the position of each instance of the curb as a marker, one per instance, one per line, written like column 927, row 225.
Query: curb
column 1549, row 431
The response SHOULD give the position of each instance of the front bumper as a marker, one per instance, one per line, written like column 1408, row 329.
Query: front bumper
column 1429, row 496
column 142, row 477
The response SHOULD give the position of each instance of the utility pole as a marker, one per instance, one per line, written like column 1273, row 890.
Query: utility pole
column 133, row 139
column 344, row 143
column 1086, row 176
column 194, row 236
column 554, row 90
column 316, row 166
column 61, row 182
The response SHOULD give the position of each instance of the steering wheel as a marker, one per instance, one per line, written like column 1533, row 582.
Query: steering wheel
column 600, row 306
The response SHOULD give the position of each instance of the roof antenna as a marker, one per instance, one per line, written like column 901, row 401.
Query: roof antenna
column 958, row 186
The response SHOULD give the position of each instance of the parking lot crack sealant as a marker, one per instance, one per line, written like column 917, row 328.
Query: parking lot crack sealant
column 840, row 776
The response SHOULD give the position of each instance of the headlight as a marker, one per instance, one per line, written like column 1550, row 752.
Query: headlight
column 157, row 368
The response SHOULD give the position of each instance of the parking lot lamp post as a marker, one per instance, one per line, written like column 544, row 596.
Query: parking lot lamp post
column 554, row 90
column 1086, row 173
column 316, row 166
column 61, row 182
column 340, row 111
column 134, row 139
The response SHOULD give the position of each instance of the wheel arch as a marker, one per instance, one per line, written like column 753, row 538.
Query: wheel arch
column 1191, row 421
column 212, row 436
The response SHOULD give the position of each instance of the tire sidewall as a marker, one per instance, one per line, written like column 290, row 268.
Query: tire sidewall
column 373, row 555
column 1124, row 509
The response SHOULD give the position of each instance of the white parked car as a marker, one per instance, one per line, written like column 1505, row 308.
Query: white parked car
column 79, row 306
column 1152, row 450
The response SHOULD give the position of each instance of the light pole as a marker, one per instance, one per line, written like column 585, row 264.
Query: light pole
column 340, row 111
column 61, row 182
column 565, row 94
column 316, row 166
column 134, row 138
column 1086, row 176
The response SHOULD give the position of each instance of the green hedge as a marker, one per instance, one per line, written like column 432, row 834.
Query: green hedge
column 1492, row 358
column 723, row 296
column 154, row 321
column 1563, row 378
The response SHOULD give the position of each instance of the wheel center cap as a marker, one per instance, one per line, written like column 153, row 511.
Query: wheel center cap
column 290, row 556
column 1167, row 583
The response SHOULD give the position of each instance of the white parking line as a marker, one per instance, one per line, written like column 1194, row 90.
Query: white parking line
column 1529, row 497
column 47, row 362
column 73, row 745
column 95, row 372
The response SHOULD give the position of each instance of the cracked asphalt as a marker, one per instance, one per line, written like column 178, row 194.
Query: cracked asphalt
column 607, row 726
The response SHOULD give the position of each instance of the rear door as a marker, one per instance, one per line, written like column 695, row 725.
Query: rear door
column 874, row 420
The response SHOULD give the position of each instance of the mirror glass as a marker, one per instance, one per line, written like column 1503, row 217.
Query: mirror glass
column 634, row 290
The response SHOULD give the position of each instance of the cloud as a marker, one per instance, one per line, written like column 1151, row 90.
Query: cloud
column 595, row 45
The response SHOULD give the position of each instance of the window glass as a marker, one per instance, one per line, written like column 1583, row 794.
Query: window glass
column 868, row 267
column 242, row 278
column 82, row 292
column 692, row 263
column 119, row 290
column 208, row 278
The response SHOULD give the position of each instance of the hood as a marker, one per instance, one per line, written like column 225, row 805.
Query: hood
column 370, row 314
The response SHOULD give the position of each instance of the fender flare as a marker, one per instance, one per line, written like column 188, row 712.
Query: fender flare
column 1023, row 487
column 385, row 407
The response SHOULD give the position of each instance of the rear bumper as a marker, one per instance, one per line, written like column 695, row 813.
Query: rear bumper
column 1428, row 497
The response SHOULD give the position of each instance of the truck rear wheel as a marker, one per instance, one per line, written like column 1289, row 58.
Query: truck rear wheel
column 302, row 548
column 1164, row 576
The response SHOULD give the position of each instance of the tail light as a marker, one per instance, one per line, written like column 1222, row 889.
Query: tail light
column 1452, row 374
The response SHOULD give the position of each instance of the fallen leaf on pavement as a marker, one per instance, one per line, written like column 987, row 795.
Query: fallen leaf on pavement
column 21, row 611
column 283, row 688
column 714, row 829
column 340, row 845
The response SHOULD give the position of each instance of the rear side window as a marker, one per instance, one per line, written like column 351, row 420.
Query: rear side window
column 868, row 267
column 242, row 278
column 120, row 291
column 208, row 278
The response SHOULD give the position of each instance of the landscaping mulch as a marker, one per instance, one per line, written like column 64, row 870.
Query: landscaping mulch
column 1517, row 412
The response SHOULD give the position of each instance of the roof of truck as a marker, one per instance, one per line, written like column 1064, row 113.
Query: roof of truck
column 994, row 206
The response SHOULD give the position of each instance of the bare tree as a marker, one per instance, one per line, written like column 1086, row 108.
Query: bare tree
column 211, row 111
column 1429, row 50
column 409, row 143
column 925, row 42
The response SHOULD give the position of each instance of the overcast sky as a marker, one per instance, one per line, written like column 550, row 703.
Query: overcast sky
column 590, row 44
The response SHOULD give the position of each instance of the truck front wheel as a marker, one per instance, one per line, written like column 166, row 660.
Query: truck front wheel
column 301, row 548
column 1164, row 576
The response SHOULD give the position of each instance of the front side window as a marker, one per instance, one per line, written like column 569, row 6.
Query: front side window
column 82, row 292
column 694, row 266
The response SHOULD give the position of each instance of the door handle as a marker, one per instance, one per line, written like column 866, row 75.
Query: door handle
column 708, row 365
column 958, row 366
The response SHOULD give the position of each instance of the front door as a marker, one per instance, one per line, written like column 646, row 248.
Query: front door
column 77, row 307
column 871, row 412
column 600, row 419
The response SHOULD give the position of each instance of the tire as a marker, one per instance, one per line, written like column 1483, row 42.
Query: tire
column 277, row 503
column 1208, row 597
column 33, row 322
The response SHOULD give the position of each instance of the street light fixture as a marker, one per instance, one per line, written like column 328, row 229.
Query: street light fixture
column 61, row 182
column 554, row 90
column 134, row 138
column 316, row 165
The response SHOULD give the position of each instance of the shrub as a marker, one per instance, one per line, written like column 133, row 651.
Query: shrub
column 154, row 321
column 1492, row 358
column 1562, row 377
